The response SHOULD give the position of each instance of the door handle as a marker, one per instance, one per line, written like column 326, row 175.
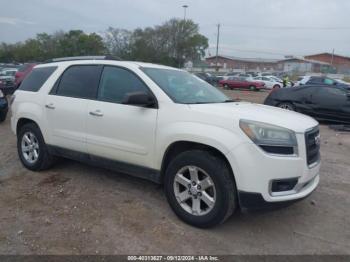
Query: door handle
column 50, row 106
column 96, row 113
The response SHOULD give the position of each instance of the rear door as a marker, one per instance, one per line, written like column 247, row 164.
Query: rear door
column 302, row 98
column 66, row 106
column 117, row 131
column 331, row 103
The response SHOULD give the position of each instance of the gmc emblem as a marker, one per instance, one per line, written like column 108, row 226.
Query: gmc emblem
column 318, row 140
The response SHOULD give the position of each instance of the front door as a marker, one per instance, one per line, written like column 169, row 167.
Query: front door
column 117, row 131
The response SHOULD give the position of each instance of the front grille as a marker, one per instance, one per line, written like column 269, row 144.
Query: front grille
column 312, row 140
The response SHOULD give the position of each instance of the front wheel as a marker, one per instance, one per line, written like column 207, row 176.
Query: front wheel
column 200, row 188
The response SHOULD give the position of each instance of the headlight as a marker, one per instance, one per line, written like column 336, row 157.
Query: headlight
column 1, row 94
column 272, row 139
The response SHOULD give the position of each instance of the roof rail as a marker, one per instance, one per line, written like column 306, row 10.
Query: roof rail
column 74, row 58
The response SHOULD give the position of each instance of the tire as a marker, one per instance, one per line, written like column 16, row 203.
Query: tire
column 221, row 189
column 287, row 106
column 252, row 88
column 40, row 160
column 226, row 86
column 276, row 86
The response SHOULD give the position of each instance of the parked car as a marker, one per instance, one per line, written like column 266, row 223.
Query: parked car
column 22, row 72
column 319, row 80
column 316, row 80
column 212, row 154
column 275, row 78
column 211, row 79
column 7, row 80
column 3, row 107
column 268, row 81
column 341, row 81
column 241, row 82
column 323, row 102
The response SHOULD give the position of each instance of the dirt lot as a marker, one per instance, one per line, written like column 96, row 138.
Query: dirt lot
column 77, row 209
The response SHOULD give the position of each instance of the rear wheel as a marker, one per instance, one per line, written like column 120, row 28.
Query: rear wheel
column 32, row 149
column 287, row 106
column 200, row 188
column 226, row 86
column 276, row 86
column 252, row 88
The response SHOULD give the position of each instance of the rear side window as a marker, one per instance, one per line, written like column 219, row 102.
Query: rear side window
column 80, row 81
column 35, row 80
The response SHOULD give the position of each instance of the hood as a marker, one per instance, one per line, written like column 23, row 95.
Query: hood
column 256, row 112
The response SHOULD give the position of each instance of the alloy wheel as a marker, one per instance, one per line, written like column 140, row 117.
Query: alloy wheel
column 194, row 190
column 30, row 147
column 286, row 106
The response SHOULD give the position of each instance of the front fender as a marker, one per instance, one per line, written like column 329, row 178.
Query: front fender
column 217, row 137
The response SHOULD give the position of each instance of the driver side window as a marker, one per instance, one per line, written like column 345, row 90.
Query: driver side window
column 116, row 83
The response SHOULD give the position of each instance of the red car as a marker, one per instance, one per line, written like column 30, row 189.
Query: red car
column 22, row 72
column 241, row 82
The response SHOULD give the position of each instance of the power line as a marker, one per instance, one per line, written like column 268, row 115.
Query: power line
column 289, row 27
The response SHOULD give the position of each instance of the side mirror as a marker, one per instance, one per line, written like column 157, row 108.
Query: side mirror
column 139, row 99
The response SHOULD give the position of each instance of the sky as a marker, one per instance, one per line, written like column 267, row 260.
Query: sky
column 249, row 28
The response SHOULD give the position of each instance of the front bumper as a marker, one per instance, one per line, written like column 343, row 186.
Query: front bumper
column 255, row 170
column 254, row 201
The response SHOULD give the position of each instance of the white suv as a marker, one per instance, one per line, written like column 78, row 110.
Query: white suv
column 212, row 154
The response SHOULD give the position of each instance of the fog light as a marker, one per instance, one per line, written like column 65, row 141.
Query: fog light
column 283, row 184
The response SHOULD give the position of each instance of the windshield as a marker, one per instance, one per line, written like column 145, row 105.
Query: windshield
column 183, row 87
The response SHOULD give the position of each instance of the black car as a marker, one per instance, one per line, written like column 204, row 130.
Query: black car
column 321, row 80
column 211, row 79
column 3, row 107
column 324, row 102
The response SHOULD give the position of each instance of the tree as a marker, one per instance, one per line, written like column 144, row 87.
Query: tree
column 59, row 44
column 172, row 43
column 117, row 42
column 77, row 43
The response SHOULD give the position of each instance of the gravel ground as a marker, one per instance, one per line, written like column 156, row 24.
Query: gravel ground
column 78, row 209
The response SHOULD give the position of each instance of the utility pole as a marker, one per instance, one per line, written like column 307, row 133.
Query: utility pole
column 217, row 46
column 182, row 30
column 332, row 61
column 332, row 57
